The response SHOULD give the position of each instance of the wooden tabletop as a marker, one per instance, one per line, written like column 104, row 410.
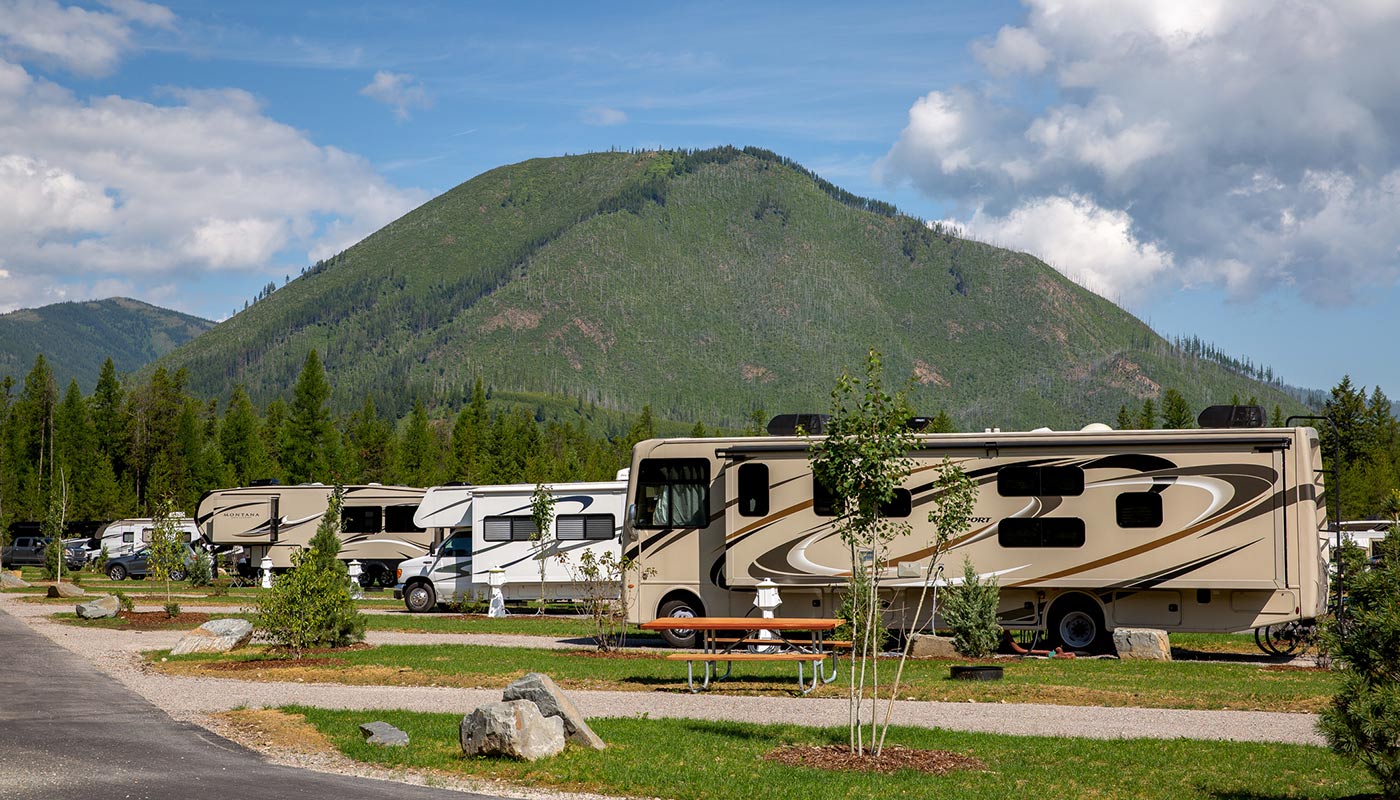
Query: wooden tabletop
column 740, row 624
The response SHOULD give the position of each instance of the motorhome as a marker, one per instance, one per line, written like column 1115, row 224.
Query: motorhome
column 125, row 536
column 1085, row 531
column 490, row 527
column 273, row 521
column 1364, row 533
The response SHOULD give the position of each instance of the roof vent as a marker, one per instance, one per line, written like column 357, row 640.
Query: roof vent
column 264, row 482
column 1232, row 417
column 1095, row 427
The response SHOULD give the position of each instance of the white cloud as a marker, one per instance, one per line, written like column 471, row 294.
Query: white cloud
column 115, row 189
column 1093, row 245
column 602, row 116
column 77, row 39
column 1237, row 143
column 398, row 91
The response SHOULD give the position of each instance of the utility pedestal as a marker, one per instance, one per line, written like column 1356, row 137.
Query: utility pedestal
column 356, row 590
column 266, row 566
column 767, row 601
column 496, row 579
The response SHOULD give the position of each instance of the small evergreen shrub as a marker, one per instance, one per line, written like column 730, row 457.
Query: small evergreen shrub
column 310, row 605
column 172, row 609
column 199, row 571
column 1363, row 722
column 124, row 602
column 99, row 564
column 970, row 612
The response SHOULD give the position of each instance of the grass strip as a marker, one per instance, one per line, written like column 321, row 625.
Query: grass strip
column 703, row 760
column 1148, row 684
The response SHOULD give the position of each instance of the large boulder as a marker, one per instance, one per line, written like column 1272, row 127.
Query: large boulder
column 383, row 734
column 65, row 590
column 541, row 690
column 11, row 580
column 99, row 607
column 926, row 645
column 1142, row 644
column 215, row 636
column 514, row 729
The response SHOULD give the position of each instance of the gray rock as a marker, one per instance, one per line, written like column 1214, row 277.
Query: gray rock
column 541, row 690
column 215, row 636
column 1142, row 644
column 99, row 607
column 926, row 645
column 65, row 590
column 382, row 733
column 514, row 729
column 9, row 580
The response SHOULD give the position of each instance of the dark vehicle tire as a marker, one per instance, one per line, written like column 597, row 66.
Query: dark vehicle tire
column 369, row 575
column 681, row 607
column 177, row 575
column 116, row 572
column 419, row 597
column 1076, row 624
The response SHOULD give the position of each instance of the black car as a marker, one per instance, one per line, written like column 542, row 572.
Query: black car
column 136, row 565
column 25, row 551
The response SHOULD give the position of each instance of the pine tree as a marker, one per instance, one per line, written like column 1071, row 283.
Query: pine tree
column 417, row 458
column 309, row 430
column 1147, row 419
column 239, row 440
column 1363, row 722
column 1176, row 414
column 370, row 444
column 1125, row 420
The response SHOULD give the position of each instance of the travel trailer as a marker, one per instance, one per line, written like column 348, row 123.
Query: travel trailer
column 125, row 536
column 489, row 527
column 273, row 521
column 1364, row 533
column 1183, row 530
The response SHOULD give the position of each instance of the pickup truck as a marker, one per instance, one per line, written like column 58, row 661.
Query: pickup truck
column 24, row 551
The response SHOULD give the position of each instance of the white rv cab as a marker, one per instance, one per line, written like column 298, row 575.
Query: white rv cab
column 125, row 536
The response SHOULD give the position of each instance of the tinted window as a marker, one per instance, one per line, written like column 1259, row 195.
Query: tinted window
column 578, row 527
column 673, row 493
column 1040, row 481
column 400, row 518
column 459, row 546
column 824, row 502
column 1139, row 510
column 361, row 519
column 508, row 529
column 753, row 490
column 1041, row 532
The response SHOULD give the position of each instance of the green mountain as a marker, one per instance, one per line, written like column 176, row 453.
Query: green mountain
column 706, row 284
column 76, row 338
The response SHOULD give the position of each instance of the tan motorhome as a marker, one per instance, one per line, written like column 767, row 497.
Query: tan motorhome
column 1183, row 530
column 376, row 524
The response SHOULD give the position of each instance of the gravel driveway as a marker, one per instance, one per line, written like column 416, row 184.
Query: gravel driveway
column 188, row 698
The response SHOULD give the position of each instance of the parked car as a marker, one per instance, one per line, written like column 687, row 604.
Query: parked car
column 25, row 551
column 137, row 565
column 78, row 553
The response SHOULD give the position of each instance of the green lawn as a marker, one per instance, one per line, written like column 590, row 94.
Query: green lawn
column 1062, row 681
column 700, row 760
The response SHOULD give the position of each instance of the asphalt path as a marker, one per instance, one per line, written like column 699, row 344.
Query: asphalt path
column 70, row 732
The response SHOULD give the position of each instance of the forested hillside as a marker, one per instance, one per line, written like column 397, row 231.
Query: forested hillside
column 706, row 285
column 75, row 338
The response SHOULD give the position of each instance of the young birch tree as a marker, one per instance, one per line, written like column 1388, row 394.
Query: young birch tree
column 167, row 560
column 862, row 460
column 542, row 514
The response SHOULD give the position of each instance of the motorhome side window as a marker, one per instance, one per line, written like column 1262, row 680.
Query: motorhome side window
column 1040, row 481
column 580, row 527
column 673, row 493
column 1139, row 510
column 753, row 490
column 508, row 529
column 361, row 519
column 400, row 519
column 824, row 502
column 1041, row 532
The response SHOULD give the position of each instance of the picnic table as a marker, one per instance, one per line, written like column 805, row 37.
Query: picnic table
column 729, row 639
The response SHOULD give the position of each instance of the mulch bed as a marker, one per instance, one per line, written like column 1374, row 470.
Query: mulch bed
column 159, row 620
column 838, row 758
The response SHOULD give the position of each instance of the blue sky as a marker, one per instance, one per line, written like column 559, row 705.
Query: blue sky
column 1221, row 169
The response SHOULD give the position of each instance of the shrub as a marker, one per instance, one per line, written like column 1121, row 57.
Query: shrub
column 124, row 602
column 53, row 559
column 970, row 612
column 310, row 605
column 1363, row 722
column 172, row 610
column 604, row 599
column 99, row 564
column 200, row 573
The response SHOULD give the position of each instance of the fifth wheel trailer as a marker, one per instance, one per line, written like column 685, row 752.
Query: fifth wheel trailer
column 1183, row 530
column 274, row 521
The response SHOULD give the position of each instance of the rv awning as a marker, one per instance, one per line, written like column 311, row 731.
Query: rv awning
column 445, row 507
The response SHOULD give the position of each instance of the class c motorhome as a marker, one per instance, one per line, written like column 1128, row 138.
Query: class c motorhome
column 1182, row 530
column 125, row 536
column 274, row 521
column 490, row 527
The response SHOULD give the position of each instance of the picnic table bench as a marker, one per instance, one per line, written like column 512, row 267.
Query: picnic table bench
column 792, row 639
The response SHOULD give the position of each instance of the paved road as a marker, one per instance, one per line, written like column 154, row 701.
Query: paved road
column 69, row 732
